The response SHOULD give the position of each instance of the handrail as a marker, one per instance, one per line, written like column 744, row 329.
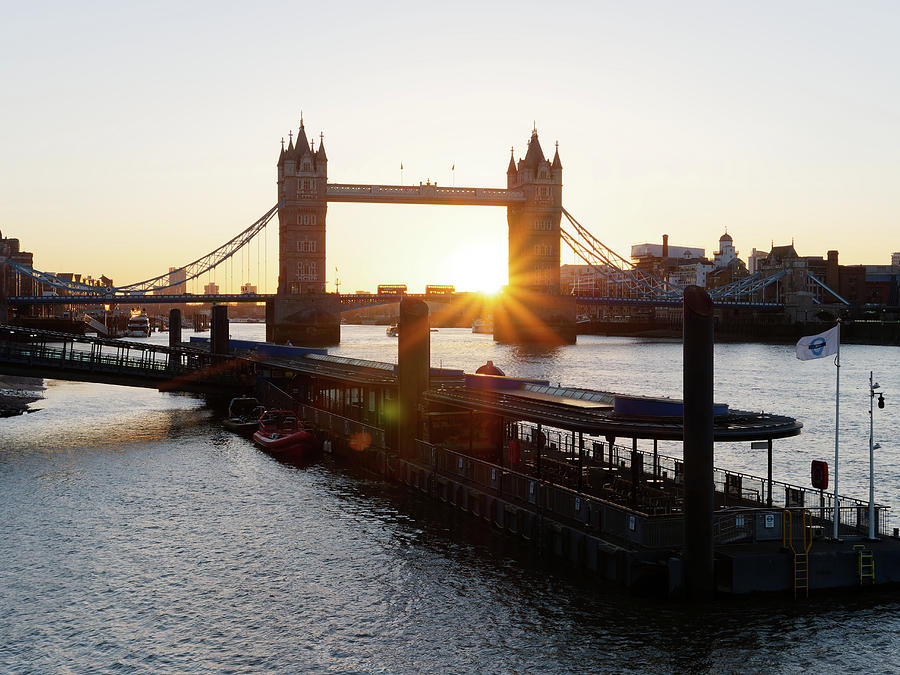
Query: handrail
column 671, row 465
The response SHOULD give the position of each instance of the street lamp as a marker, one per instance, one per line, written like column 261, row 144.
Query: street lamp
column 872, row 445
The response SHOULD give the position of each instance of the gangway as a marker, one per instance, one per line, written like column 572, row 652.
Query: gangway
column 27, row 352
column 96, row 325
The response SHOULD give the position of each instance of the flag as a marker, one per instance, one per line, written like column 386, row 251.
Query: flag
column 453, row 168
column 401, row 166
column 819, row 346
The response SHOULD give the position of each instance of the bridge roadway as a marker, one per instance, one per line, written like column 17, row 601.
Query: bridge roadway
column 348, row 301
column 26, row 352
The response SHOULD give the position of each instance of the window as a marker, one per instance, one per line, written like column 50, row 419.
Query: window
column 544, row 223
column 544, row 192
column 307, row 246
column 307, row 271
column 541, row 274
column 306, row 219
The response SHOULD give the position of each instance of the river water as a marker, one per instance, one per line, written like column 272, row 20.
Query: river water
column 138, row 536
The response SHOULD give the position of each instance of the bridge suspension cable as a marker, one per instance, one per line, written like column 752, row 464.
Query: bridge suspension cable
column 617, row 276
column 176, row 277
column 200, row 266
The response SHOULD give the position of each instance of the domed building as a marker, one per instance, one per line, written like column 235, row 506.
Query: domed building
column 727, row 266
column 726, row 253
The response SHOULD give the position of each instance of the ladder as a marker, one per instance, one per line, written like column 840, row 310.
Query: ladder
column 801, row 557
column 865, row 564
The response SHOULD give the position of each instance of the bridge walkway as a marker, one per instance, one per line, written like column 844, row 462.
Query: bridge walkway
column 28, row 352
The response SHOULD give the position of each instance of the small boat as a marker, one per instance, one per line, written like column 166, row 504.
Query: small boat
column 393, row 330
column 243, row 415
column 280, row 433
column 483, row 326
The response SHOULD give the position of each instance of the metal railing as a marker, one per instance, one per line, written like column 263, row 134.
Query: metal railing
column 31, row 347
column 747, row 522
column 733, row 488
column 731, row 525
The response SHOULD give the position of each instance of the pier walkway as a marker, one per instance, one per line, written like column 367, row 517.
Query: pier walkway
column 47, row 354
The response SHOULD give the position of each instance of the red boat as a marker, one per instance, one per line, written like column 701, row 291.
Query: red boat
column 281, row 433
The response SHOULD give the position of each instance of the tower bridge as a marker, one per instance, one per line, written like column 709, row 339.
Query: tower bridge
column 532, row 308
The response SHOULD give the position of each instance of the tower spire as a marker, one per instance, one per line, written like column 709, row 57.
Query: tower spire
column 302, row 145
column 556, row 163
column 535, row 155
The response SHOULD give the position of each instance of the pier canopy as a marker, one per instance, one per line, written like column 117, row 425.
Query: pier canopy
column 602, row 413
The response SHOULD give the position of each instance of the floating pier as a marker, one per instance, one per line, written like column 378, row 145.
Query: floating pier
column 570, row 470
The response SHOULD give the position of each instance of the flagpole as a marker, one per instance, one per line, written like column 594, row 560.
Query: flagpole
column 837, row 415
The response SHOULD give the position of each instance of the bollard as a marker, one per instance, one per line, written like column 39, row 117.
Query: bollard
column 413, row 369
column 174, row 335
column 218, row 330
column 699, row 491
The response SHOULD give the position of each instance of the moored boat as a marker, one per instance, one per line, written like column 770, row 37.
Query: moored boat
column 281, row 433
column 393, row 330
column 138, row 326
column 243, row 415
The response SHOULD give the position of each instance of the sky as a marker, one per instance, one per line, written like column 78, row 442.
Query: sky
column 135, row 137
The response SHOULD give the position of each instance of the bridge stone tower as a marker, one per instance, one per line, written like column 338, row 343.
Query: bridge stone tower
column 302, row 312
column 302, row 176
column 532, row 309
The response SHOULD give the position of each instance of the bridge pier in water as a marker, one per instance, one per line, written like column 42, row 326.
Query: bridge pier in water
column 523, row 316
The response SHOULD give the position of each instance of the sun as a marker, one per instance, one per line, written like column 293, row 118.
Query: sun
column 477, row 269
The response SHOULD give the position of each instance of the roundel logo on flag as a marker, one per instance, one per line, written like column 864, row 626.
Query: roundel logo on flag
column 817, row 346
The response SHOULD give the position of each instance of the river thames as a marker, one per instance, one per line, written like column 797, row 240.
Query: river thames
column 139, row 536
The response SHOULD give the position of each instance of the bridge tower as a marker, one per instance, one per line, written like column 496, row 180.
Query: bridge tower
column 302, row 312
column 532, row 309
column 302, row 176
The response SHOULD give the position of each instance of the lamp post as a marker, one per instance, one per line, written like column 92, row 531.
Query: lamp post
column 872, row 445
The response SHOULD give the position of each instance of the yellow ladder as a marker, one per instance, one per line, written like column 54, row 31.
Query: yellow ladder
column 801, row 557
column 865, row 564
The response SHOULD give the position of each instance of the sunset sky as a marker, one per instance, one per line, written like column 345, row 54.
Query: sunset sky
column 139, row 137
